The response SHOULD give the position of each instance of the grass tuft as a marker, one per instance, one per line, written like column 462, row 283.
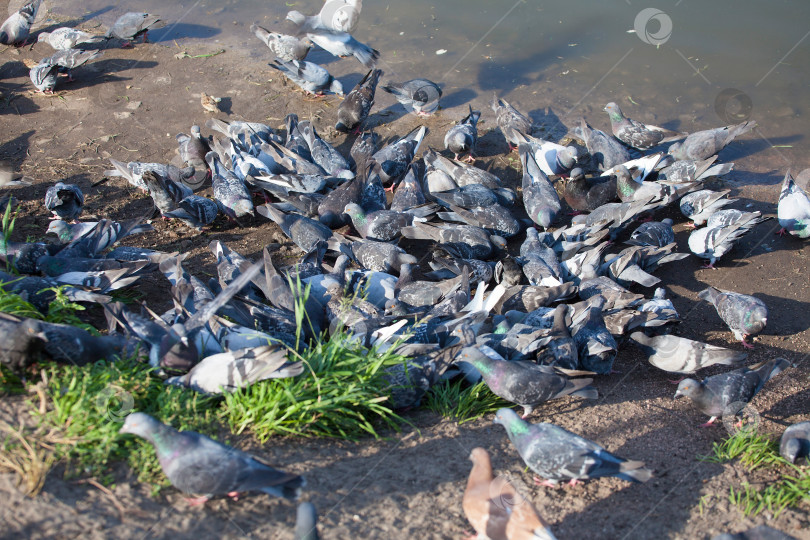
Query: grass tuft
column 754, row 451
column 340, row 394
column 462, row 402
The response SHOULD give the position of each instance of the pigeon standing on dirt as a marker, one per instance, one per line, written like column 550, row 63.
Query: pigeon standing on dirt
column 310, row 77
column 793, row 211
column 198, row 465
column 16, row 28
column 44, row 74
column 131, row 25
column 680, row 355
column 354, row 109
column 461, row 138
column 653, row 233
column 323, row 153
column 68, row 38
column 66, row 201
column 511, row 122
column 557, row 455
column 711, row 243
column 285, row 47
column 394, row 158
column 606, row 151
column 539, row 197
column 525, row 383
column 727, row 393
column 637, row 134
column 495, row 509
column 195, row 211
column 795, row 442
column 705, row 144
column 553, row 159
column 165, row 193
column 419, row 96
column 745, row 315
column 230, row 192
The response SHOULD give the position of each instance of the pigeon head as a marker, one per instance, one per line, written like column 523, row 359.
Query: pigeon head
column 674, row 148
column 790, row 449
column 243, row 207
column 43, row 36
column 58, row 227
column 614, row 112
column 140, row 424
column 510, row 420
column 475, row 357
column 498, row 241
column 688, row 388
column 356, row 213
column 568, row 156
column 336, row 87
column 755, row 320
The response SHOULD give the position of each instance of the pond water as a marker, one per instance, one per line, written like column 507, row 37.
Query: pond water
column 684, row 65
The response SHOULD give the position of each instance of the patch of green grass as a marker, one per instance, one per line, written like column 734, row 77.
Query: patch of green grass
column 61, row 310
column 89, row 403
column 340, row 394
column 7, row 228
column 755, row 450
column 10, row 383
column 462, row 402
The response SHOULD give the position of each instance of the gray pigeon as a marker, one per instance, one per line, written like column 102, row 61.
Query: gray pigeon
column 131, row 25
column 494, row 218
column 745, row 315
column 795, row 442
column 192, row 149
column 305, row 232
column 198, row 465
column 419, row 96
column 230, row 192
column 66, row 201
column 285, row 47
column 228, row 371
column 525, row 383
column 379, row 256
column 306, row 522
column 67, row 38
column 596, row 346
column 690, row 170
column 539, row 197
column 364, row 146
column 559, row 348
column 705, row 144
column 711, row 243
column 39, row 291
column 636, row 134
column 21, row 341
column 44, row 74
column 606, row 151
column 680, row 355
column 311, row 78
column 354, row 109
column 732, row 216
column 460, row 174
column 323, row 153
column 793, row 210
column 552, row 158
column 511, row 122
column 727, row 393
column 557, row 455
column 464, row 241
column 699, row 205
column 381, row 225
column 408, row 194
column 195, row 211
column 337, row 42
column 133, row 172
column 165, row 193
column 394, row 158
column 16, row 28
column 247, row 130
column 653, row 233
column 461, row 138
column 585, row 196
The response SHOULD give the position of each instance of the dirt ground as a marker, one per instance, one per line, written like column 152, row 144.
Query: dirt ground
column 130, row 104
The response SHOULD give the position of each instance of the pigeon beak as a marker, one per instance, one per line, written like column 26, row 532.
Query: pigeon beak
column 678, row 394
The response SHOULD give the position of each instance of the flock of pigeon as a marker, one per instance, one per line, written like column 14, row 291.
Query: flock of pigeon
column 556, row 316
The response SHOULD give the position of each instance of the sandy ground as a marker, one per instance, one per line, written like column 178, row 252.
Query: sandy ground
column 130, row 104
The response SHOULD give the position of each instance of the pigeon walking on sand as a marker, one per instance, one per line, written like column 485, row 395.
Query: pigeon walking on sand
column 198, row 465
column 419, row 96
column 727, row 393
column 131, row 25
column 558, row 455
column 793, row 211
column 17, row 27
column 637, row 134
column 745, row 315
column 510, row 121
column 461, row 138
column 354, row 109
